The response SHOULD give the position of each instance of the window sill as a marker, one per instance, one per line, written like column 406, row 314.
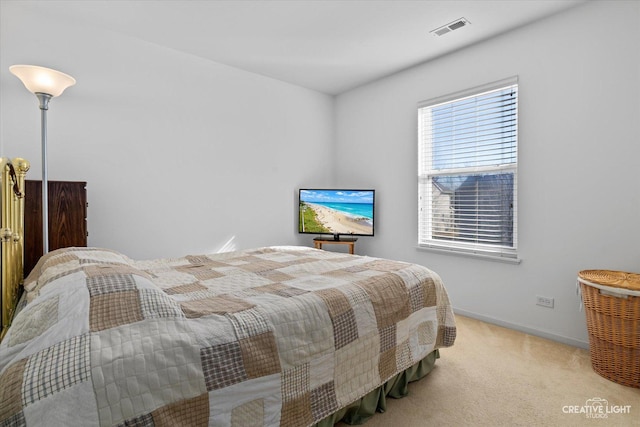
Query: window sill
column 469, row 254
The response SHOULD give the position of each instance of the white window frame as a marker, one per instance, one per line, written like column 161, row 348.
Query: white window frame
column 426, row 173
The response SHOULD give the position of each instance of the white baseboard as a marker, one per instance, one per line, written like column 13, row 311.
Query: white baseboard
column 525, row 329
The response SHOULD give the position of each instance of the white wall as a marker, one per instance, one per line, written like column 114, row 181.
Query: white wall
column 181, row 155
column 579, row 176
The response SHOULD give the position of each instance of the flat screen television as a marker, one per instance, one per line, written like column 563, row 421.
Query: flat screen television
column 336, row 212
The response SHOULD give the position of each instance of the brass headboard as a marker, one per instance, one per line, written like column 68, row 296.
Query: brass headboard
column 12, row 175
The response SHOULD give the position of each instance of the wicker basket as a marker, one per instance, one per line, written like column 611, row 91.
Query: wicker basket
column 612, row 306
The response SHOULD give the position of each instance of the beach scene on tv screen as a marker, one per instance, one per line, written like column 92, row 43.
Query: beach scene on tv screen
column 336, row 212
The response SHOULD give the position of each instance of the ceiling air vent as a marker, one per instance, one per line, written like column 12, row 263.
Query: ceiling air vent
column 458, row 23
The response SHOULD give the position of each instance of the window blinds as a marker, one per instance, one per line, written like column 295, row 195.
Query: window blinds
column 467, row 171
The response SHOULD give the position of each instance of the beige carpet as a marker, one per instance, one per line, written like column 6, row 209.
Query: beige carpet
column 495, row 376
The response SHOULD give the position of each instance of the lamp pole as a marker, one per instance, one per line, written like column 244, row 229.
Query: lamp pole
column 44, row 106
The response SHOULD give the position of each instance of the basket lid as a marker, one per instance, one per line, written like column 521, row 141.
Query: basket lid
column 615, row 279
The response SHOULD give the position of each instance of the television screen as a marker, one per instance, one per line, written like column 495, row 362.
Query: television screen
column 337, row 212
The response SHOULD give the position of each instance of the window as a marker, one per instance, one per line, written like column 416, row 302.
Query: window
column 467, row 171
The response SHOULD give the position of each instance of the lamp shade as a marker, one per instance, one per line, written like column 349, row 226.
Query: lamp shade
column 42, row 80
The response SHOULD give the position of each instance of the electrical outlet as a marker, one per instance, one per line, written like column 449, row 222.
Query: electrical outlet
column 544, row 301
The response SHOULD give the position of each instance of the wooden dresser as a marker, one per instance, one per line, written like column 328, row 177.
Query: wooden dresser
column 67, row 218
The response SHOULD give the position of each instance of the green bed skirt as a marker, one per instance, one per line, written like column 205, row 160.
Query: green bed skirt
column 361, row 410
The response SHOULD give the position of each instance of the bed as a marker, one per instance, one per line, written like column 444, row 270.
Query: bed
column 283, row 335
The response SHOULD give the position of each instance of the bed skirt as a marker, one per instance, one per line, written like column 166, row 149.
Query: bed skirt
column 361, row 410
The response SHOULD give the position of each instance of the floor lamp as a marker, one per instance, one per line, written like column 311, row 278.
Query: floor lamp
column 45, row 83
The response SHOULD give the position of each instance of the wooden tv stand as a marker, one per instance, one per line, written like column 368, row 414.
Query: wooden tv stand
column 351, row 241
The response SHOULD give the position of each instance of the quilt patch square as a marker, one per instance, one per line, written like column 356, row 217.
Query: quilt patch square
column 99, row 255
column 355, row 269
column 249, row 414
column 56, row 368
column 389, row 297
column 200, row 272
column 336, row 301
column 186, row 289
column 261, row 266
column 104, row 284
column 387, row 338
column 156, row 304
column 189, row 412
column 11, row 389
column 295, row 413
column 356, row 295
column 248, row 323
column 95, row 270
column 403, row 356
column 25, row 328
column 416, row 298
column 345, row 328
column 446, row 335
column 114, row 309
column 295, row 382
column 385, row 265
column 341, row 273
column 275, row 275
column 58, row 259
column 214, row 305
column 222, row 365
column 323, row 401
column 289, row 291
column 280, row 289
column 270, row 288
column 426, row 333
column 387, row 365
column 431, row 295
column 260, row 355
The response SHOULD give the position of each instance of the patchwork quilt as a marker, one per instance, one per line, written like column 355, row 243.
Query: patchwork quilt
column 264, row 337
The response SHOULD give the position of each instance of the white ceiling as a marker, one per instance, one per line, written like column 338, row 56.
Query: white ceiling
column 328, row 46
